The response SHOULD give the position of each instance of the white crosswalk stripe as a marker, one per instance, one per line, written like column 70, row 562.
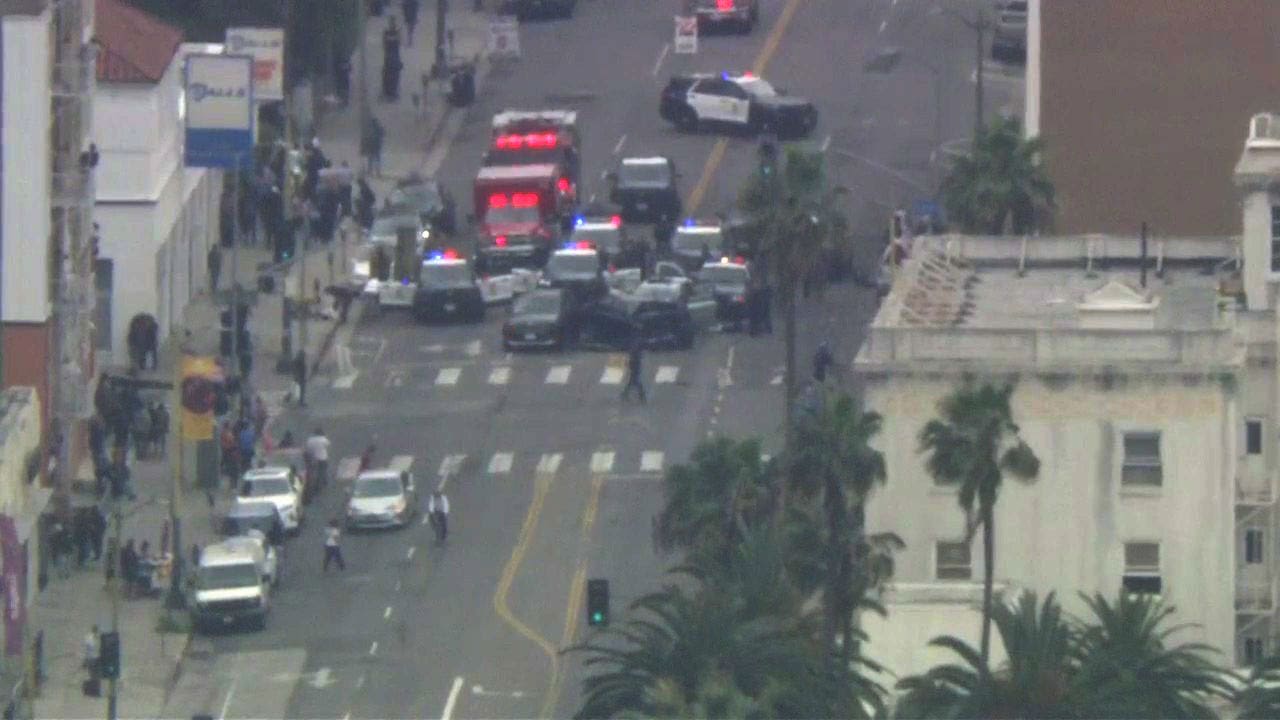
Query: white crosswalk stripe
column 549, row 463
column 499, row 375
column 559, row 375
column 602, row 462
column 651, row 461
column 451, row 464
column 401, row 463
column 611, row 376
column 777, row 380
column 448, row 376
column 500, row 463
column 666, row 374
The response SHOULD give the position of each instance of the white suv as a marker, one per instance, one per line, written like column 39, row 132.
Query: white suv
column 278, row 485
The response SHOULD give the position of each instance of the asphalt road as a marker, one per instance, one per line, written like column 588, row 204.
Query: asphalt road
column 551, row 478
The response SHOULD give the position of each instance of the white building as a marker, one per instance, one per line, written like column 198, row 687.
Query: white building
column 157, row 218
column 1153, row 409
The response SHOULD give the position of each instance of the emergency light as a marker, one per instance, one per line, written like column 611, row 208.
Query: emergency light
column 497, row 200
column 688, row 222
column 534, row 141
column 500, row 241
column 524, row 199
column 563, row 185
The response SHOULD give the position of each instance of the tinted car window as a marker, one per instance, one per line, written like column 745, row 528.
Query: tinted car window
column 712, row 86
column 758, row 88
column 693, row 241
column 644, row 174
column 604, row 238
column 724, row 274
column 425, row 195
column 262, row 487
column 378, row 487
column 537, row 304
column 561, row 264
column 445, row 274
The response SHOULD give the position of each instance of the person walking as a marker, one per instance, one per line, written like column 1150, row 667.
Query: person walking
column 332, row 549
column 438, row 511
column 342, row 80
column 247, row 440
column 822, row 361
column 365, row 201
column 410, row 19
column 60, row 542
column 371, row 148
column 129, row 568
column 160, row 427
column 391, row 61
column 90, row 654
column 318, row 455
column 634, row 367
column 214, row 263
column 97, row 531
column 300, row 375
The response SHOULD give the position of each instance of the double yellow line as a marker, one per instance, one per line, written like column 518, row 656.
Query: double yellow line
column 762, row 62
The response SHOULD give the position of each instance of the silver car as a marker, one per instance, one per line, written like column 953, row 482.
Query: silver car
column 380, row 499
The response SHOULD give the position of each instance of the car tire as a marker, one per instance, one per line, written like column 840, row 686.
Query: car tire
column 260, row 624
column 687, row 120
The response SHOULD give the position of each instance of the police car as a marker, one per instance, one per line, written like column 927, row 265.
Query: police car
column 696, row 241
column 729, row 280
column 578, row 270
column 743, row 101
column 447, row 289
column 617, row 247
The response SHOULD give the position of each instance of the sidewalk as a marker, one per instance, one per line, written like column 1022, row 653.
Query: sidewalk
column 151, row 662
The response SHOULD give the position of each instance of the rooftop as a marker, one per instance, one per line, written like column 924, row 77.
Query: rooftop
column 137, row 47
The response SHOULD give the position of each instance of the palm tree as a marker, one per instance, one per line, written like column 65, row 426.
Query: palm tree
column 1259, row 699
column 1133, row 672
column 712, row 500
column 1001, row 181
column 834, row 459
column 793, row 210
column 974, row 444
column 1037, row 681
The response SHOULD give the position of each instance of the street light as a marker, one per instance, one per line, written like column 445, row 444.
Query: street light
column 884, row 61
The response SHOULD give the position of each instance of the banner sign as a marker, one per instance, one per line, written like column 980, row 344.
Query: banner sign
column 219, row 110
column 266, row 46
column 15, row 586
column 686, row 35
column 200, row 376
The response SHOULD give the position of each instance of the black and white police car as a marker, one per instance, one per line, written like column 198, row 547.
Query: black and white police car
column 447, row 289
column 743, row 101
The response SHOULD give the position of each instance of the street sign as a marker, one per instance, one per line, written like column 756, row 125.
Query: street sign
column 266, row 46
column 219, row 110
column 504, row 36
column 686, row 35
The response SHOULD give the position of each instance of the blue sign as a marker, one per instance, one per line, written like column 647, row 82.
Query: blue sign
column 219, row 110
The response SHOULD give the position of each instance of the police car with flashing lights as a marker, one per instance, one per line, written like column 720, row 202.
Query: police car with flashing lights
column 609, row 236
column 743, row 101
column 578, row 270
column 695, row 242
column 728, row 278
column 447, row 289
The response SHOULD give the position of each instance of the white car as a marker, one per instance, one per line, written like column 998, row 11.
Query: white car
column 277, row 485
column 381, row 498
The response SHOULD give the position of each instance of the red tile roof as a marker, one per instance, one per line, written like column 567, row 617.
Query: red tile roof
column 136, row 47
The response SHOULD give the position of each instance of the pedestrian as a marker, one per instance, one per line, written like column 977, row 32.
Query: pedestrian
column 332, row 550
column 410, row 19
column 60, row 547
column 136, row 340
column 230, row 455
column 97, row 531
column 366, row 457
column 214, row 263
column 97, row 443
column 121, row 487
column 160, row 426
column 300, row 375
column 822, row 361
column 342, row 80
column 128, row 568
column 317, row 453
column 82, row 536
column 365, row 202
column 247, row 440
column 195, row 555
column 438, row 511
column 391, row 79
column 260, row 416
column 91, row 653
column 634, row 366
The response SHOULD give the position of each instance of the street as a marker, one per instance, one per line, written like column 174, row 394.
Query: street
column 551, row 478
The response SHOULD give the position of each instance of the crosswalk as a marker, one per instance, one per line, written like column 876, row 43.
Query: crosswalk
column 498, row 375
column 508, row 463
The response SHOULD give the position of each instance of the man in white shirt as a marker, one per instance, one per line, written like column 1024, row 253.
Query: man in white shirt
column 438, row 511
column 318, row 453
column 332, row 550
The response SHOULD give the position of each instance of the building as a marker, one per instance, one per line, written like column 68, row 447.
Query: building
column 157, row 218
column 1152, row 399
column 1139, row 103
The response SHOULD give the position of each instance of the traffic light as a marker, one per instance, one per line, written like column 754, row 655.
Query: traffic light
column 109, row 655
column 597, row 602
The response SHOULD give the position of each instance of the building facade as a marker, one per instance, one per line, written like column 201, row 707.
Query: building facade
column 157, row 218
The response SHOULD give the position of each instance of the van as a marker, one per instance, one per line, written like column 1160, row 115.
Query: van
column 233, row 583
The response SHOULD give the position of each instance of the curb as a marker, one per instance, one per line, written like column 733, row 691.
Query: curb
column 176, row 674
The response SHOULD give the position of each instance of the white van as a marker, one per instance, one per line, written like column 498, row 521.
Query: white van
column 233, row 582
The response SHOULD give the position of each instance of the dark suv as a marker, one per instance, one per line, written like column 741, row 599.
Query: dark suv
column 645, row 189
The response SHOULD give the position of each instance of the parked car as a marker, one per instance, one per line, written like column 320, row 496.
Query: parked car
column 540, row 318
column 280, row 486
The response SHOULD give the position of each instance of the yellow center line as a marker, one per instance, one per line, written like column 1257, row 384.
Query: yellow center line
column 762, row 62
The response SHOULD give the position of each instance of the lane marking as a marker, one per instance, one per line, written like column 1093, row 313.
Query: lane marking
column 651, row 461
column 373, row 649
column 452, row 700
column 666, row 374
column 826, row 143
column 395, row 378
column 401, row 463
column 473, row 348
column 728, row 361
column 577, row 589
column 448, row 376
column 549, row 463
column 386, row 614
column 499, row 375
column 450, row 464
column 708, row 170
column 611, row 376
column 558, row 375
column 397, row 586
column 359, row 684
column 589, row 515
column 777, row 380
column 231, row 693
column 621, row 141
column 883, row 24
column 346, row 382
column 657, row 66
column 602, row 462
column 500, row 463
column 408, row 555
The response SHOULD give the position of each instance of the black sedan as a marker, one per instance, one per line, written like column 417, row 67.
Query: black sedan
column 429, row 199
column 447, row 290
column 728, row 281
column 666, row 316
column 539, row 319
column 646, row 190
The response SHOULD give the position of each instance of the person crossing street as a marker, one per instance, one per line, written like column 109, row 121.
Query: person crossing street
column 318, row 456
column 438, row 511
column 332, row 548
column 634, row 363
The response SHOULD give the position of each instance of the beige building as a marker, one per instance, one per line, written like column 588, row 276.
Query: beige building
column 1150, row 398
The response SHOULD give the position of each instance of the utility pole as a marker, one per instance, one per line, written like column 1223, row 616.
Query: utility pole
column 442, row 60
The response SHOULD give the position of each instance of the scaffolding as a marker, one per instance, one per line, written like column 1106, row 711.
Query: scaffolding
column 73, row 157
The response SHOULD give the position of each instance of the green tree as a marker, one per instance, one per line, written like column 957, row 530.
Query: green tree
column 1259, row 698
column 712, row 500
column 792, row 209
column 1132, row 670
column 974, row 444
column 1036, row 682
column 1001, row 182
column 835, row 463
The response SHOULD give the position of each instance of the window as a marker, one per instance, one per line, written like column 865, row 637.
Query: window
column 1253, row 541
column 1141, row 460
column 954, row 561
column 1141, row 568
column 1275, row 238
column 1253, row 436
column 103, row 279
column 1253, row 650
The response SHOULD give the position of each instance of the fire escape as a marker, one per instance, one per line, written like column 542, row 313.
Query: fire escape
column 71, row 245
column 1256, row 587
